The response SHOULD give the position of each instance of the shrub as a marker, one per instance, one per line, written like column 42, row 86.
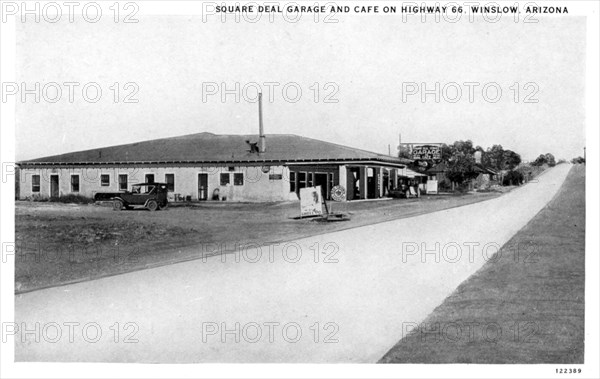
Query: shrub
column 513, row 177
column 444, row 184
column 77, row 199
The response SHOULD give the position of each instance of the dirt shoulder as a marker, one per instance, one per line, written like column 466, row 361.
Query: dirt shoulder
column 529, row 309
column 63, row 243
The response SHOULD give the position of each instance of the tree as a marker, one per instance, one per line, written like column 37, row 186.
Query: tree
column 494, row 157
column 545, row 159
column 510, row 160
column 498, row 158
column 512, row 178
column 404, row 152
column 447, row 151
column 461, row 168
column 550, row 159
column 464, row 147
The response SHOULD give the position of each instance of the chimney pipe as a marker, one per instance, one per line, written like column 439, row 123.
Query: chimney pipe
column 262, row 143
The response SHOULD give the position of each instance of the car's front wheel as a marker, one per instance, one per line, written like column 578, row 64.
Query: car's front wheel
column 152, row 205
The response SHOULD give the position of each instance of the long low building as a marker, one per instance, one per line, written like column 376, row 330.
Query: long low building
column 207, row 166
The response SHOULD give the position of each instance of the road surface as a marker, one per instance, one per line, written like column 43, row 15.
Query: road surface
column 338, row 297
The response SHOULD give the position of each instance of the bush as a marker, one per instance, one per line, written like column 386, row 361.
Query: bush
column 444, row 184
column 77, row 199
column 513, row 177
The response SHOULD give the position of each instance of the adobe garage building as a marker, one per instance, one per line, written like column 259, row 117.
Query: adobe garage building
column 207, row 166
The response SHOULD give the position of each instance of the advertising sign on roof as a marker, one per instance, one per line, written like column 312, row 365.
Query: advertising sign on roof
column 426, row 152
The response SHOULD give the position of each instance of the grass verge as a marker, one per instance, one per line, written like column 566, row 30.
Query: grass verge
column 529, row 309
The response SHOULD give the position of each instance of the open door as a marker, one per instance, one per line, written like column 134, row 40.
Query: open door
column 202, row 187
column 322, row 179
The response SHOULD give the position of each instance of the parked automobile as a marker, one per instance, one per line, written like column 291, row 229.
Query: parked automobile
column 151, row 196
column 406, row 190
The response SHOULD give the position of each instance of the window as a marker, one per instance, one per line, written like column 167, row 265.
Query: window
column 35, row 183
column 74, row 183
column 310, row 179
column 123, row 182
column 170, row 179
column 292, row 181
column 105, row 180
column 225, row 179
column 301, row 180
column 238, row 179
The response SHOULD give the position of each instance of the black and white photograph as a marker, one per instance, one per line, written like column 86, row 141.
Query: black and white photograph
column 247, row 189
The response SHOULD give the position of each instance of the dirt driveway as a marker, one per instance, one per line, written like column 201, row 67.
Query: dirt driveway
column 66, row 243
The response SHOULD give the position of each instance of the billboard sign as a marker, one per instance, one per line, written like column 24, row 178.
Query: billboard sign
column 426, row 152
column 311, row 201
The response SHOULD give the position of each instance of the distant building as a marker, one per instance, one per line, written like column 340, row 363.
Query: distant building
column 485, row 175
column 207, row 166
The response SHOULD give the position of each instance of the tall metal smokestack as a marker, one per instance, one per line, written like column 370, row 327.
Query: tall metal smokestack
column 262, row 140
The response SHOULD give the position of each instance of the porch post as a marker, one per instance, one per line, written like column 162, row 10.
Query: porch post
column 343, row 178
column 363, row 182
column 380, row 181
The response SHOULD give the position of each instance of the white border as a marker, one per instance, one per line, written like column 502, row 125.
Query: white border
column 78, row 370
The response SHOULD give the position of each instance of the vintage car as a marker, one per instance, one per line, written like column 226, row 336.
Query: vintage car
column 406, row 191
column 151, row 196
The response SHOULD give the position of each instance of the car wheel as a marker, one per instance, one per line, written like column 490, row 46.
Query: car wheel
column 152, row 205
column 117, row 205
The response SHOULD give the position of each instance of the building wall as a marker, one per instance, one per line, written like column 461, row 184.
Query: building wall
column 257, row 185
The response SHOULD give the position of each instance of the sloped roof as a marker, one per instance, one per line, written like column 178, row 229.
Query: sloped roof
column 485, row 170
column 440, row 167
column 213, row 148
column 411, row 173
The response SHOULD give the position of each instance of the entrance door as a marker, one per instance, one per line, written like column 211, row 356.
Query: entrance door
column 149, row 179
column 321, row 179
column 202, row 186
column 54, row 186
column 371, row 183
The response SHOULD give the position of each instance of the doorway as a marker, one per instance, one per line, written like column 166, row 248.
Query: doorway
column 202, row 187
column 54, row 192
column 322, row 179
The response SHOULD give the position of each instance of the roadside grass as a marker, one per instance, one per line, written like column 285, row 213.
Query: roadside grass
column 529, row 309
column 65, row 243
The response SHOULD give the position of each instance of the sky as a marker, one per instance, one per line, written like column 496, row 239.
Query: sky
column 367, row 63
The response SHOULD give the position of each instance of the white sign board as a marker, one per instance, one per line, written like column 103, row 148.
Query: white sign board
column 432, row 186
column 426, row 151
column 311, row 201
